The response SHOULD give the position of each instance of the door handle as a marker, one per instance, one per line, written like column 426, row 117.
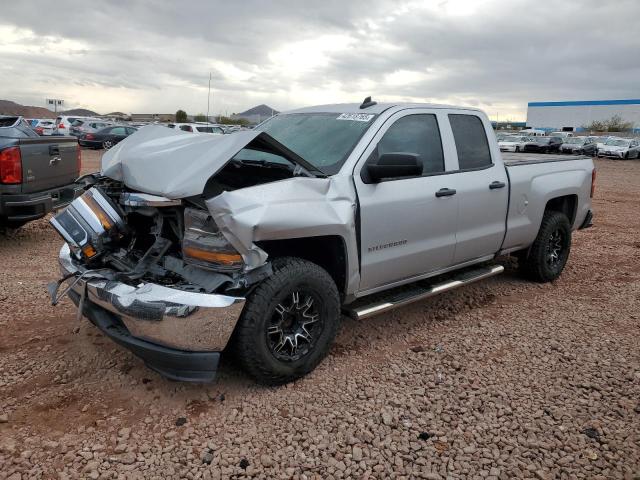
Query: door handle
column 496, row 184
column 445, row 192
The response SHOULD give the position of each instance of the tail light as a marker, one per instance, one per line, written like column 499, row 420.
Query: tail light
column 89, row 136
column 78, row 158
column 61, row 125
column 593, row 182
column 10, row 165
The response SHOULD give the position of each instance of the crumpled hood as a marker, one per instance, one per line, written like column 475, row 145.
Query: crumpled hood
column 174, row 164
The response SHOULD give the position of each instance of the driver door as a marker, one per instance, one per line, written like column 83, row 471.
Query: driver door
column 405, row 228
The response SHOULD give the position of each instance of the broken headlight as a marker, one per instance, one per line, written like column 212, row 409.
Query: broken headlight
column 204, row 244
column 89, row 223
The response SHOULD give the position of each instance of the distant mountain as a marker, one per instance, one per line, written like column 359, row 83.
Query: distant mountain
column 261, row 110
column 81, row 112
column 8, row 107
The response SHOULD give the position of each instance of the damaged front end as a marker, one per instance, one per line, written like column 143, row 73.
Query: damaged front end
column 161, row 250
column 154, row 275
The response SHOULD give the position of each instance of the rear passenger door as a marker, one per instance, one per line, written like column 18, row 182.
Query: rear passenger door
column 482, row 188
column 405, row 228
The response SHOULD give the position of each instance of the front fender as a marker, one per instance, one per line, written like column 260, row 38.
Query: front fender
column 298, row 207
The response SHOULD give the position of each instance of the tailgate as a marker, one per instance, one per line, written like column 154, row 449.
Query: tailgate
column 48, row 163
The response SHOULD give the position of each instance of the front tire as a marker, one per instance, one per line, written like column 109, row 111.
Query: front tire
column 517, row 149
column 288, row 323
column 549, row 253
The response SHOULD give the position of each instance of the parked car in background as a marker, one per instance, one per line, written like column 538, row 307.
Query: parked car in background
column 37, row 175
column 106, row 137
column 513, row 143
column 197, row 127
column 87, row 125
column 600, row 141
column 63, row 124
column 44, row 126
column 579, row 145
column 561, row 134
column 620, row 148
column 543, row 144
column 532, row 132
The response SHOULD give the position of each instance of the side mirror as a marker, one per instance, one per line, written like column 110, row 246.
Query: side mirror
column 394, row 165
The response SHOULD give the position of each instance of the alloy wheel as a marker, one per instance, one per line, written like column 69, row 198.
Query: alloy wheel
column 295, row 326
column 555, row 247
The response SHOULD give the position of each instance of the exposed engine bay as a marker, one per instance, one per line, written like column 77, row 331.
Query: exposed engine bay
column 192, row 212
column 134, row 236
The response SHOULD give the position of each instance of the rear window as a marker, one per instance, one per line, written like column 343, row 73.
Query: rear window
column 186, row 128
column 471, row 141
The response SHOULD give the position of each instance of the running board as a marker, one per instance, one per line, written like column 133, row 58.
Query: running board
column 405, row 297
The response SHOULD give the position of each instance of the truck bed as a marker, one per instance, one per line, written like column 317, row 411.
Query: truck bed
column 515, row 159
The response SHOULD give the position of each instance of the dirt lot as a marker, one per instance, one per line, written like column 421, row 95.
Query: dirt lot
column 501, row 379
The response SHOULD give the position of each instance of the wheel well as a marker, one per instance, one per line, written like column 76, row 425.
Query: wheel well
column 567, row 204
column 329, row 252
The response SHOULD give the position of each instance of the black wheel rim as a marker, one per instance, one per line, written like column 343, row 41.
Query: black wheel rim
column 555, row 248
column 107, row 144
column 295, row 326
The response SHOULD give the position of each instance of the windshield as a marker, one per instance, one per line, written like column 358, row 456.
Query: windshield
column 575, row 141
column 323, row 139
column 513, row 139
column 542, row 140
column 617, row 142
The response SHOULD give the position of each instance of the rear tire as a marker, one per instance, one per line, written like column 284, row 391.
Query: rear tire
column 549, row 253
column 107, row 144
column 288, row 323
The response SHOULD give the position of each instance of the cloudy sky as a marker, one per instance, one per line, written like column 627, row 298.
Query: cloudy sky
column 155, row 56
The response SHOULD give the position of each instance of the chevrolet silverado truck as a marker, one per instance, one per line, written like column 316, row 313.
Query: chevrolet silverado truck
column 185, row 246
column 37, row 174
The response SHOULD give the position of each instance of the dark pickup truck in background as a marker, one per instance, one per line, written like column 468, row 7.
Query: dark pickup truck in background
column 37, row 174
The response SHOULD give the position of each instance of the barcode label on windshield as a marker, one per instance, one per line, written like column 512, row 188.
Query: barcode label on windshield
column 356, row 117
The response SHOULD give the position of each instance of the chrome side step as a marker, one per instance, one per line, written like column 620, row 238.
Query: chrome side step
column 414, row 294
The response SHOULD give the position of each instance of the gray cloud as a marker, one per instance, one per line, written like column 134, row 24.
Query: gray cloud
column 156, row 56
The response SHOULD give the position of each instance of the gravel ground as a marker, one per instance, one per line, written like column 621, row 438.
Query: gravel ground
column 501, row 379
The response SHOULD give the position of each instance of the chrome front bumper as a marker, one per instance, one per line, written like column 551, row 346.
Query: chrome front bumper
column 173, row 318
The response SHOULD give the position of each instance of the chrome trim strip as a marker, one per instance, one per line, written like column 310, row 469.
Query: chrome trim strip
column 135, row 199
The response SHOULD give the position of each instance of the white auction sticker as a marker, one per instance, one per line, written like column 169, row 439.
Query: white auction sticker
column 356, row 117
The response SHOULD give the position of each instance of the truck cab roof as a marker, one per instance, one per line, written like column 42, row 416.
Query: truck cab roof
column 375, row 109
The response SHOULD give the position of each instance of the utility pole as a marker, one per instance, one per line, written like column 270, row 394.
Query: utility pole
column 208, row 97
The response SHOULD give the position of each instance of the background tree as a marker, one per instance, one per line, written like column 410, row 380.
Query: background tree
column 181, row 116
column 232, row 121
column 201, row 117
column 613, row 124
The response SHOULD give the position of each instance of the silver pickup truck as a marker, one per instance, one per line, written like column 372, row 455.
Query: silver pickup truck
column 254, row 243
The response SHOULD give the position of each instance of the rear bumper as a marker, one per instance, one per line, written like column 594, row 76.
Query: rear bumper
column 90, row 143
column 25, row 207
column 180, row 334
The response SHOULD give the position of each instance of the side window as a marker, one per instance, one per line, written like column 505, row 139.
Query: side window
column 417, row 134
column 186, row 128
column 118, row 131
column 471, row 141
column 131, row 131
